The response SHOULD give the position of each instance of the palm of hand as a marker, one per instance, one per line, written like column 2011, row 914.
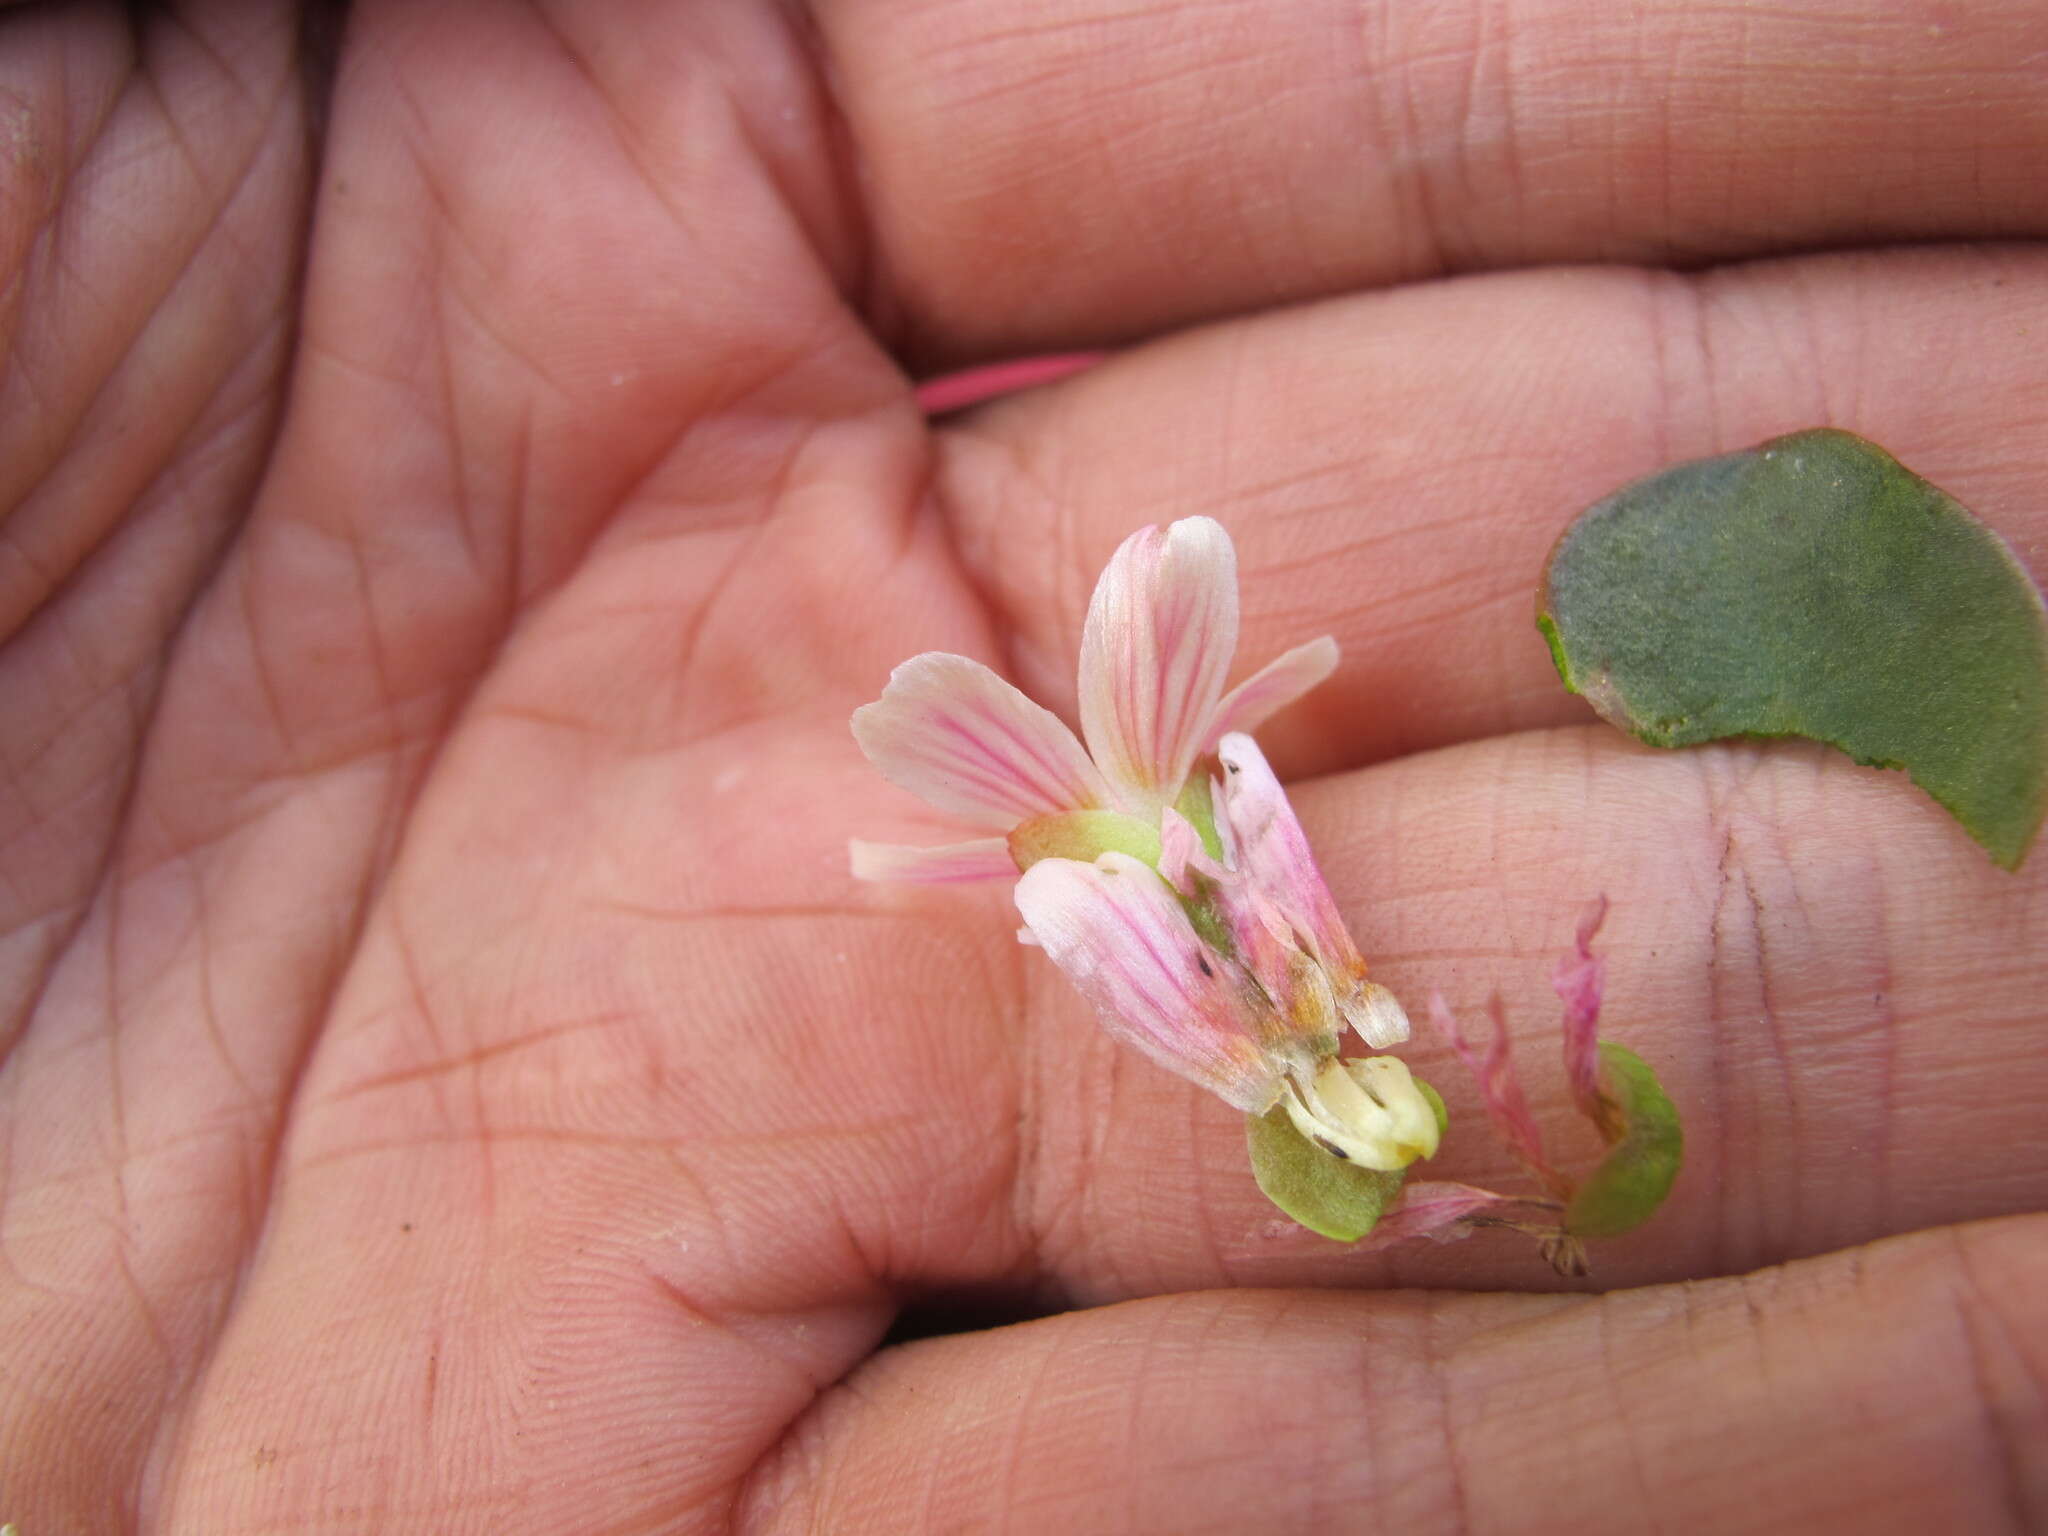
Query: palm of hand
column 453, row 1083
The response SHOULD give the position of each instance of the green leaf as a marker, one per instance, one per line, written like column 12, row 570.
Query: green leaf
column 1814, row 587
column 1635, row 1176
column 1325, row 1194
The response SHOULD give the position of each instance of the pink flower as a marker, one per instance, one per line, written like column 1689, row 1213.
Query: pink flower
column 1161, row 632
column 1161, row 868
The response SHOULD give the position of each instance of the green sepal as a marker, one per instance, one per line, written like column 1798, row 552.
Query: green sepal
column 1199, row 807
column 1337, row 1199
column 1083, row 835
column 1212, row 927
column 1635, row 1176
column 1436, row 1102
column 1816, row 587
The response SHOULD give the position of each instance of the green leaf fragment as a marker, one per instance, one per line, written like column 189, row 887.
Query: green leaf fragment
column 1334, row 1198
column 1635, row 1176
column 1814, row 587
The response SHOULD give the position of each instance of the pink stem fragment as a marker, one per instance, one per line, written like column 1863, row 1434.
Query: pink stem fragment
column 1500, row 1090
column 957, row 391
column 1578, row 979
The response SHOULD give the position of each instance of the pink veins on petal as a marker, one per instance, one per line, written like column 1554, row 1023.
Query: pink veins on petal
column 1158, row 644
column 1161, row 631
column 1124, row 941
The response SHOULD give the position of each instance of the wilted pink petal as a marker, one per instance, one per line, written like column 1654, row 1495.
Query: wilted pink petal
column 1225, row 838
column 1591, row 916
column 964, row 741
column 1258, row 925
column 1442, row 1212
column 1161, row 631
column 985, row 858
column 1500, row 1090
column 1272, row 853
column 1124, row 942
column 1435, row 1209
column 1577, row 979
column 1303, row 1006
column 1270, row 689
column 1181, row 855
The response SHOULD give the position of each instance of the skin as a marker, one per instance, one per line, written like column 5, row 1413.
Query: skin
column 460, row 473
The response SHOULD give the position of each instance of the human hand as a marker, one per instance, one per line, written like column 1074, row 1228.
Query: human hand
column 451, row 1082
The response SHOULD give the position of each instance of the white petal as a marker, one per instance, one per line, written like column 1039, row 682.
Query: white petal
column 1271, row 689
column 1376, row 1014
column 1124, row 942
column 961, row 739
column 985, row 858
column 1161, row 630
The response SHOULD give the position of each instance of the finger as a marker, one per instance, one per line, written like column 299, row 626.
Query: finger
column 501, row 352
column 1103, row 172
column 1798, row 945
column 614, row 1166
column 1837, row 988
column 1891, row 1389
column 151, row 191
column 539, row 383
column 1395, row 467
column 150, row 204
